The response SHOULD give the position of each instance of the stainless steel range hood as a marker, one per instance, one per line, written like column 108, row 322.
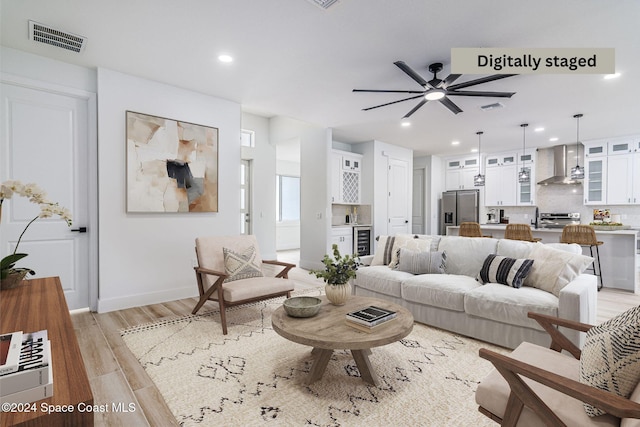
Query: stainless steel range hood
column 562, row 168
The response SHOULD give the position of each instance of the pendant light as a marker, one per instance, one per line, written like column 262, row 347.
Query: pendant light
column 525, row 174
column 577, row 172
column 478, row 180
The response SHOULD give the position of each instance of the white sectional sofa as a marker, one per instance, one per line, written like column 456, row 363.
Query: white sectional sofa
column 492, row 312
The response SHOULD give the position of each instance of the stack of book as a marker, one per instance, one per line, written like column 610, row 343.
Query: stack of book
column 26, row 374
column 369, row 318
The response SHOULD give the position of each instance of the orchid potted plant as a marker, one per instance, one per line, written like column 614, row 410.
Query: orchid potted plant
column 11, row 276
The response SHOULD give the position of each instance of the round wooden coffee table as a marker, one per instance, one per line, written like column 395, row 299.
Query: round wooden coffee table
column 328, row 331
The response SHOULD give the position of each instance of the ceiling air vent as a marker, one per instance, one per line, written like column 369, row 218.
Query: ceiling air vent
column 62, row 39
column 492, row 106
column 325, row 4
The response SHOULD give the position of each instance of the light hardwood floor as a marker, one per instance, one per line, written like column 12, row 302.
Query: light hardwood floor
column 116, row 376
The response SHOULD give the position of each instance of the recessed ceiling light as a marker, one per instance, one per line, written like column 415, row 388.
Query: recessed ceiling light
column 455, row 142
column 405, row 123
column 225, row 58
column 474, row 150
column 553, row 139
column 611, row 76
column 540, row 129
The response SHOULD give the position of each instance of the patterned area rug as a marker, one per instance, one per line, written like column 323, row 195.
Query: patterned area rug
column 252, row 376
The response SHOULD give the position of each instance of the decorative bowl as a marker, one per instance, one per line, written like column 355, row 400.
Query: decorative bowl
column 302, row 306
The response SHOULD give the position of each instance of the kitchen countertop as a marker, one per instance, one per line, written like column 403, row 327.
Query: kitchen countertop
column 557, row 230
column 351, row 225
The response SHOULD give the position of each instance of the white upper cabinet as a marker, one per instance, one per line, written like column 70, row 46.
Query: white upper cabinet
column 460, row 172
column 345, row 177
column 501, row 179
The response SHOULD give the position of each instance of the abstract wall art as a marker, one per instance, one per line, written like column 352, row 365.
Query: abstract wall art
column 172, row 166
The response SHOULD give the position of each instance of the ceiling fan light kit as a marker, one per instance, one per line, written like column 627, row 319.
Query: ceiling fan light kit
column 437, row 89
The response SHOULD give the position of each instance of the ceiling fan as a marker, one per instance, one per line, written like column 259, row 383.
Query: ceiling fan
column 439, row 90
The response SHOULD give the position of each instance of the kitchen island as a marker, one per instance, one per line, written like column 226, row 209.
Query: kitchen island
column 617, row 253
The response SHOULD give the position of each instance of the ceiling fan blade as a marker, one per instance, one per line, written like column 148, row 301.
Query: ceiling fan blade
column 450, row 79
column 478, row 93
column 393, row 102
column 388, row 91
column 416, row 108
column 480, row 80
column 450, row 105
column 409, row 71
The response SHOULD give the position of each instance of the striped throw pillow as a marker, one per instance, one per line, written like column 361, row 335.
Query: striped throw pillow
column 384, row 250
column 504, row 270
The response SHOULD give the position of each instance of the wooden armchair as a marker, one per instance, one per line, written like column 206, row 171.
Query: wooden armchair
column 536, row 386
column 213, row 276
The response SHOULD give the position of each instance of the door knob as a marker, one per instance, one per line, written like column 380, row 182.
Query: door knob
column 80, row 229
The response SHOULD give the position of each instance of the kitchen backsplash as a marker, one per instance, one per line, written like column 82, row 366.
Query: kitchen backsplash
column 339, row 213
column 568, row 198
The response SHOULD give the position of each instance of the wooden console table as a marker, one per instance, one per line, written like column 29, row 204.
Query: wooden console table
column 33, row 306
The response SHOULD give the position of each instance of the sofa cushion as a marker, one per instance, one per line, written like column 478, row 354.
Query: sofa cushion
column 504, row 270
column 408, row 241
column 465, row 255
column 415, row 262
column 493, row 391
column 610, row 357
column 384, row 249
column 553, row 268
column 510, row 305
column 514, row 248
column 380, row 278
column 439, row 290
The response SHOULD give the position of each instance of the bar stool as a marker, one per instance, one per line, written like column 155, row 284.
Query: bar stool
column 470, row 229
column 584, row 235
column 520, row 232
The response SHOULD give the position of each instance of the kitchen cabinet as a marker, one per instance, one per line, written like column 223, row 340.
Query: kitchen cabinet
column 343, row 237
column 526, row 192
column 612, row 172
column 595, row 177
column 501, row 185
column 345, row 177
column 460, row 173
column 501, row 179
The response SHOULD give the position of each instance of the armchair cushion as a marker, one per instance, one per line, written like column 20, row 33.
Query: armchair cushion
column 493, row 392
column 610, row 358
column 241, row 264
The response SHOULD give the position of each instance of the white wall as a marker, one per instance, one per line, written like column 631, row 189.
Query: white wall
column 287, row 232
column 315, row 187
column 263, row 203
column 147, row 258
column 435, row 185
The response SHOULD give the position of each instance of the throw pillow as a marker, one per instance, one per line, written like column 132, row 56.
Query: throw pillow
column 408, row 242
column 241, row 265
column 421, row 262
column 610, row 357
column 505, row 270
column 384, row 246
column 554, row 268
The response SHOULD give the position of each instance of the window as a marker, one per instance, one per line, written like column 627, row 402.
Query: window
column 247, row 138
column 287, row 198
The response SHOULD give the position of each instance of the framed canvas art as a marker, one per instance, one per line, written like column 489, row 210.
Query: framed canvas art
column 172, row 166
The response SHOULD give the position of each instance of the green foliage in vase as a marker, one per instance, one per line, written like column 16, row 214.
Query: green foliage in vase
column 338, row 269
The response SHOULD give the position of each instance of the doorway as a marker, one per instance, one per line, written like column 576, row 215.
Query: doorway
column 50, row 140
column 245, row 197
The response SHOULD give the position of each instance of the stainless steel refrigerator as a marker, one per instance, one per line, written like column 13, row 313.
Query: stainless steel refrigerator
column 457, row 207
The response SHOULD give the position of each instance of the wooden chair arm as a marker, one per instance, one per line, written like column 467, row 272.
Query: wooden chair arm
column 211, row 272
column 559, row 341
column 287, row 266
column 511, row 369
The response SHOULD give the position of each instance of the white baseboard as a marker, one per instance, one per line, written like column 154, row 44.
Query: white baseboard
column 129, row 301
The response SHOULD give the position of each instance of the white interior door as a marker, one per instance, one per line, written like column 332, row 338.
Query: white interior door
column 45, row 140
column 245, row 197
column 397, row 202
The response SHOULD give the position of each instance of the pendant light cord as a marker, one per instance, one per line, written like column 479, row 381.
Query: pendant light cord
column 577, row 116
